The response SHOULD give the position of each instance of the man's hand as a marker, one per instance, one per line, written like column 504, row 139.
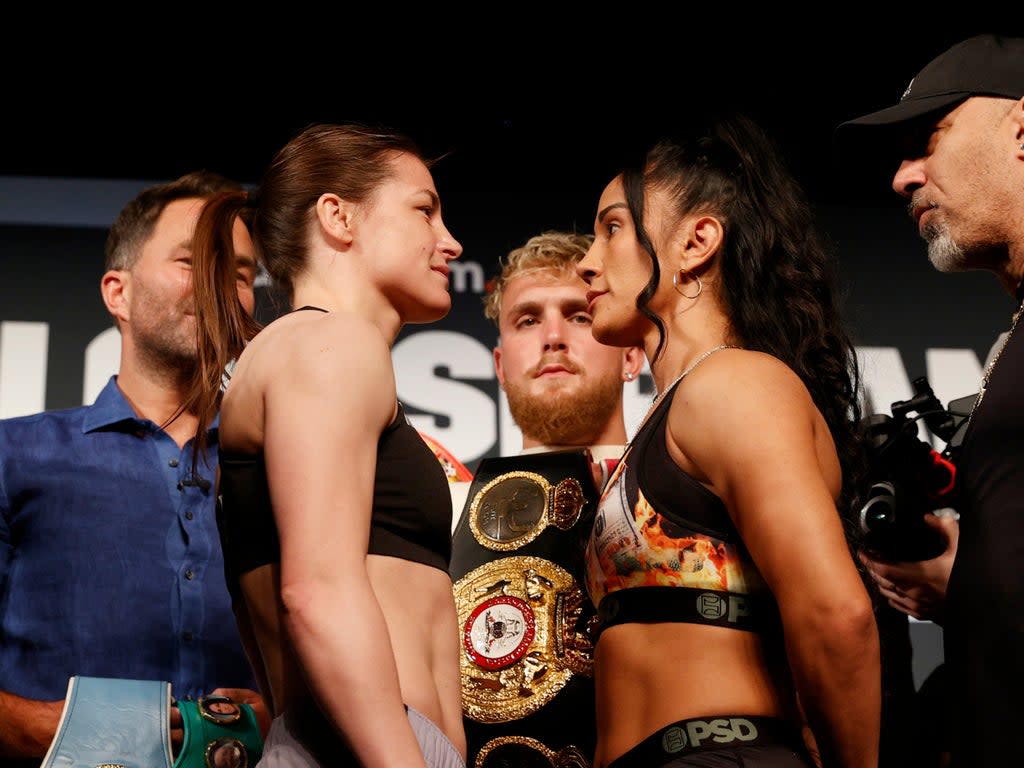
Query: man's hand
column 918, row 589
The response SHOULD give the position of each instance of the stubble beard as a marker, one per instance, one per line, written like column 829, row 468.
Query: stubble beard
column 564, row 416
column 165, row 339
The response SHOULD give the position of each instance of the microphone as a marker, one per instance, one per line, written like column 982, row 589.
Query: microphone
column 196, row 481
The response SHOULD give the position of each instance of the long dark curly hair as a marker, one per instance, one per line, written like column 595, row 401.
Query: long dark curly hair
column 779, row 282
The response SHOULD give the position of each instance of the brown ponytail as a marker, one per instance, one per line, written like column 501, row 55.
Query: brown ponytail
column 223, row 326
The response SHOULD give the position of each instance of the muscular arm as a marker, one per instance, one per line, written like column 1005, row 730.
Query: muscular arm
column 27, row 726
column 326, row 407
column 750, row 430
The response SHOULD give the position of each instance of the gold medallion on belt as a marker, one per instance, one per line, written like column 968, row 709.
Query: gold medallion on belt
column 521, row 643
column 515, row 508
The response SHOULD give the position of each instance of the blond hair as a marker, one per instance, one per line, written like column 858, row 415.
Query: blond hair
column 556, row 252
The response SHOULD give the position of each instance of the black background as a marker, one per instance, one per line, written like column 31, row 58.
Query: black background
column 533, row 103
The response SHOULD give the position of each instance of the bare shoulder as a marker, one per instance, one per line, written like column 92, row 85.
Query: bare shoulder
column 318, row 344
column 741, row 373
column 738, row 387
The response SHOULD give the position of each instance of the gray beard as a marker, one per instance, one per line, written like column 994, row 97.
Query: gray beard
column 943, row 252
column 565, row 418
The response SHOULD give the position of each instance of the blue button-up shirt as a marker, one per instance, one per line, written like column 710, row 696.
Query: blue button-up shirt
column 110, row 562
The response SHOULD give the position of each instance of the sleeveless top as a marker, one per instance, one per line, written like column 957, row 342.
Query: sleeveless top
column 664, row 549
column 411, row 517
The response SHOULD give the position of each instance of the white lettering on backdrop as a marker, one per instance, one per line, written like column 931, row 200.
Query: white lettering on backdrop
column 443, row 374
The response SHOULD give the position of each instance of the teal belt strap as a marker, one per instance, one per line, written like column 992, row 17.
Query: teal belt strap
column 113, row 723
column 219, row 732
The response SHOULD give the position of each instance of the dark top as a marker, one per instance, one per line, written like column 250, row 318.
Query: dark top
column 984, row 627
column 412, row 505
column 110, row 565
column 663, row 547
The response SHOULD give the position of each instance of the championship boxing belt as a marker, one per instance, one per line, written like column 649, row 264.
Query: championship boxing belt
column 116, row 723
column 526, row 623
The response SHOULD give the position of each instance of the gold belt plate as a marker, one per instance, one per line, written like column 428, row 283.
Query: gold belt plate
column 514, row 508
column 520, row 643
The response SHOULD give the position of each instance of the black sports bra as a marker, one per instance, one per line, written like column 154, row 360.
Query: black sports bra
column 411, row 516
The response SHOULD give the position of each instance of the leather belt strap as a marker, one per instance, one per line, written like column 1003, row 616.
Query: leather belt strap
column 109, row 723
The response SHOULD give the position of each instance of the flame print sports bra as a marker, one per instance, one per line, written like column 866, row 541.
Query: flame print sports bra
column 663, row 547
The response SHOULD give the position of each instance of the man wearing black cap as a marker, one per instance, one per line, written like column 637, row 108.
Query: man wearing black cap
column 959, row 133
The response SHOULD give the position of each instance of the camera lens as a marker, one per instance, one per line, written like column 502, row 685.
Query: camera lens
column 880, row 509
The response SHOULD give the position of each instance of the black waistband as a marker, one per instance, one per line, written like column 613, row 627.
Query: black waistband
column 646, row 605
column 703, row 734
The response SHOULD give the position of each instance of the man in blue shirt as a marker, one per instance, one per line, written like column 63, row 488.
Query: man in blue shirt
column 110, row 561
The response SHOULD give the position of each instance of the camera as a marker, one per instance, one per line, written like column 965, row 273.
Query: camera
column 908, row 477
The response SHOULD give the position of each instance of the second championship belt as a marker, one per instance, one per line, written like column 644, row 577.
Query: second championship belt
column 524, row 618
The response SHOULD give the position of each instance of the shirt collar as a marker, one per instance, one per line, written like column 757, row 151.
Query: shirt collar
column 111, row 408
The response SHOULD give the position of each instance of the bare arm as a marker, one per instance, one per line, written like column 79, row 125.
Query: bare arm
column 27, row 726
column 331, row 396
column 748, row 428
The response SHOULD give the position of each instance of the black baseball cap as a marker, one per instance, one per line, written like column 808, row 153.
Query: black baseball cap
column 983, row 65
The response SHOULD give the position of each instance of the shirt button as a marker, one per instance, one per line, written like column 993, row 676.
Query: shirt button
column 172, row 462
column 189, row 574
column 186, row 636
column 189, row 515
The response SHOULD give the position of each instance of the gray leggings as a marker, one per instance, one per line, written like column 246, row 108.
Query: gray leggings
column 286, row 747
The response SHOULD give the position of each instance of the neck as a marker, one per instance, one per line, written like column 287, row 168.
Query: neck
column 355, row 297
column 157, row 398
column 678, row 362
column 612, row 433
column 599, row 451
column 685, row 341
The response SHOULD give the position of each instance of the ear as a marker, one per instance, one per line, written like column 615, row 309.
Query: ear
column 703, row 237
column 632, row 362
column 497, row 366
column 116, row 290
column 336, row 217
column 1018, row 120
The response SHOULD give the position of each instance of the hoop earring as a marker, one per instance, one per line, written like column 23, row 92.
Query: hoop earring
column 676, row 281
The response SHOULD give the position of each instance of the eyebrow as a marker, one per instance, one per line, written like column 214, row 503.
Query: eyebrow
column 536, row 307
column 607, row 209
